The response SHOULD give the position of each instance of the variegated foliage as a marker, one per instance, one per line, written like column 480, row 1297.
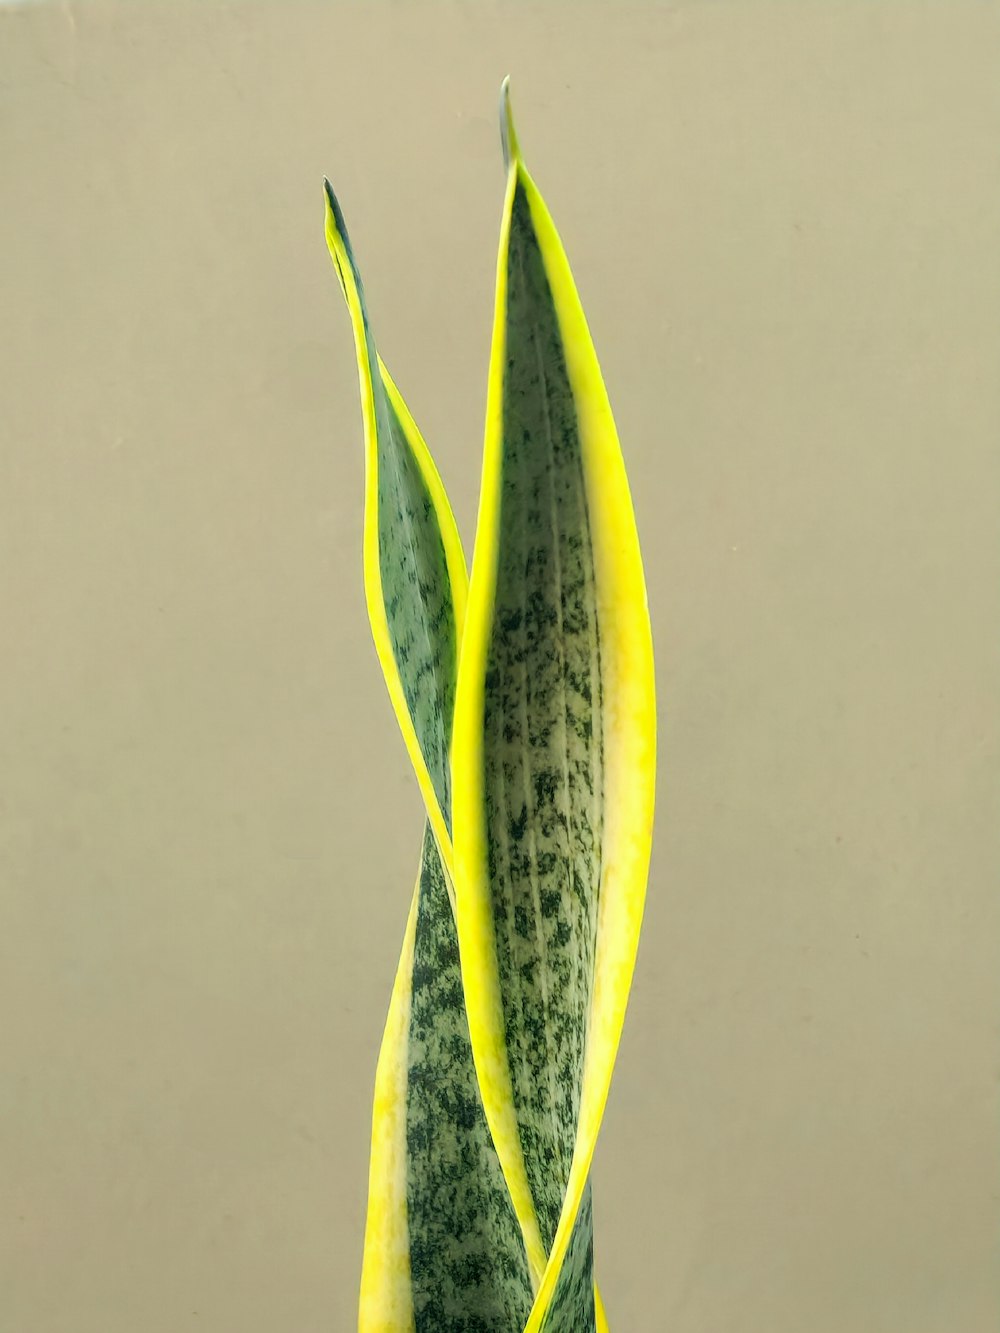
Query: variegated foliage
column 525, row 698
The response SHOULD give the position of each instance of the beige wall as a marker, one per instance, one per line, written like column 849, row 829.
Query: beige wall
column 784, row 221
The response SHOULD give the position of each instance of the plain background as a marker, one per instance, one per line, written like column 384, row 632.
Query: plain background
column 784, row 222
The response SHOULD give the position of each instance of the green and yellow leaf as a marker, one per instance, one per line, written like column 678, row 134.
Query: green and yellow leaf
column 553, row 754
column 443, row 1247
column 414, row 568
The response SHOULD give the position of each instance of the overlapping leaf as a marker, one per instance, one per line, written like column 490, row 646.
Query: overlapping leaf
column 443, row 1249
column 553, row 752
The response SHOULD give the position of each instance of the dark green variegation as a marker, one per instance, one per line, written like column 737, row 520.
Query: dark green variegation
column 526, row 701
column 542, row 747
column 468, row 1265
column 468, row 1270
column 417, row 594
column 410, row 576
column 573, row 1304
column 553, row 754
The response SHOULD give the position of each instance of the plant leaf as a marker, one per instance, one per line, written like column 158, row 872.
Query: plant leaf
column 553, row 754
column 443, row 1248
column 468, row 1266
column 415, row 575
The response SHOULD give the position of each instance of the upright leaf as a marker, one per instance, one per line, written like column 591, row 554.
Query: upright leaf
column 415, row 575
column 443, row 1249
column 553, row 753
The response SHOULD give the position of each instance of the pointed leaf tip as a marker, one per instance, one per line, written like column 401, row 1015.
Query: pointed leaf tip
column 508, row 134
column 337, row 240
column 335, row 208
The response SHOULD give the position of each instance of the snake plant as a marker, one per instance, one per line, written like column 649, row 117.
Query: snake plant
column 525, row 695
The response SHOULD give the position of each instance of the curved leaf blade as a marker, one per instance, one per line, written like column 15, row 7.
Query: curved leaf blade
column 443, row 1248
column 553, row 755
column 443, row 1251
column 468, row 1267
column 415, row 575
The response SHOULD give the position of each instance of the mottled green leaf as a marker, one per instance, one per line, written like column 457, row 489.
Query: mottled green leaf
column 443, row 1248
column 553, row 755
column 415, row 576
column 468, row 1267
